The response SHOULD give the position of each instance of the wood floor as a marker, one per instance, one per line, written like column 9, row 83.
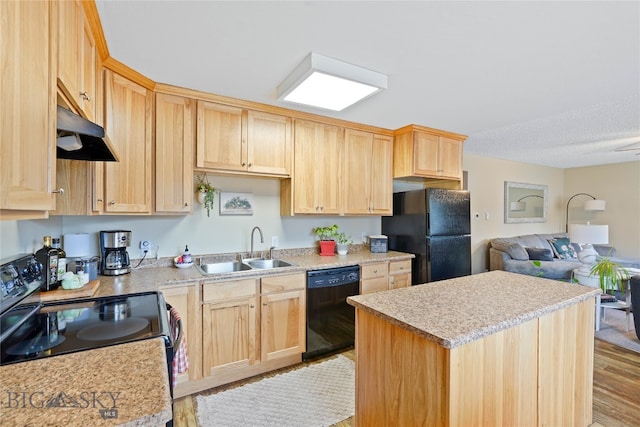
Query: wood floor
column 616, row 389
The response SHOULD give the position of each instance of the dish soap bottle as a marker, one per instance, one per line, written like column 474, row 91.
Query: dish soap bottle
column 186, row 256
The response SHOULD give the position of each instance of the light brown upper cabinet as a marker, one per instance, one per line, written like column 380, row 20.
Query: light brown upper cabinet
column 175, row 140
column 318, row 156
column 128, row 124
column 368, row 170
column 27, row 110
column 77, row 57
column 235, row 140
column 429, row 153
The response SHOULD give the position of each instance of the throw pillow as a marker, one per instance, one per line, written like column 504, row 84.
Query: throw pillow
column 539, row 254
column 515, row 250
column 562, row 248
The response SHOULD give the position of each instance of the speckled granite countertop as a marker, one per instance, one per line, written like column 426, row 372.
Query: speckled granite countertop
column 125, row 385
column 457, row 311
column 152, row 278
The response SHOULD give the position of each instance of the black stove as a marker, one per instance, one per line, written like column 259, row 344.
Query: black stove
column 77, row 325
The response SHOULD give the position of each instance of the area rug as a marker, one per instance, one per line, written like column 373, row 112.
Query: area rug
column 317, row 395
column 614, row 330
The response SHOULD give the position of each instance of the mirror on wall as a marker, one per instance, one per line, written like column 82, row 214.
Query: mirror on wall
column 524, row 202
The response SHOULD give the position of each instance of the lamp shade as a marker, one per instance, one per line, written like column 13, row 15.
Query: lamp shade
column 588, row 233
column 595, row 205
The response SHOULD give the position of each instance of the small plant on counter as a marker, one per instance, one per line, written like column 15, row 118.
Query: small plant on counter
column 327, row 237
column 326, row 233
column 206, row 192
column 344, row 238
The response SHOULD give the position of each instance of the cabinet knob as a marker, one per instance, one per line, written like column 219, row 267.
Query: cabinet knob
column 85, row 96
column 99, row 200
column 112, row 202
column 244, row 164
column 59, row 191
column 186, row 204
column 264, row 304
column 375, row 271
column 252, row 306
column 250, row 164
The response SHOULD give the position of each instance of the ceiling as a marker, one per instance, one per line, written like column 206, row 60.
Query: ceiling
column 547, row 83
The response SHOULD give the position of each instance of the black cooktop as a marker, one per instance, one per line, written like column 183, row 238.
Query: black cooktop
column 70, row 326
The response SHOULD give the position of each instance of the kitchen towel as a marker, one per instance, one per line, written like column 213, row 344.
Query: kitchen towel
column 180, row 362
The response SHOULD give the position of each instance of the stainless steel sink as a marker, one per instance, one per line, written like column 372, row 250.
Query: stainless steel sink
column 222, row 267
column 268, row 263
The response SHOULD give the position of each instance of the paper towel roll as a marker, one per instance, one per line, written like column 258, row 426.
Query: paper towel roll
column 77, row 245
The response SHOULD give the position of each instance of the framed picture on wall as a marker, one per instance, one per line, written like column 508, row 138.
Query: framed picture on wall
column 236, row 203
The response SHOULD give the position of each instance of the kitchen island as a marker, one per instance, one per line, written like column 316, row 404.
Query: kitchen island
column 495, row 349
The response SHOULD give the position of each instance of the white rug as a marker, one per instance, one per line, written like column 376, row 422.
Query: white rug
column 318, row 395
column 613, row 330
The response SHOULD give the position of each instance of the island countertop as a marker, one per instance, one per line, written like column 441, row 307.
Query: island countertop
column 457, row 311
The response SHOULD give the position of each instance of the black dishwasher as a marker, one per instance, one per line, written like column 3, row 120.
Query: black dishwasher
column 330, row 320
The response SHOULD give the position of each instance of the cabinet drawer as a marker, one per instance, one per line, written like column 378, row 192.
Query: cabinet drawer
column 282, row 283
column 369, row 271
column 219, row 291
column 397, row 267
column 374, row 285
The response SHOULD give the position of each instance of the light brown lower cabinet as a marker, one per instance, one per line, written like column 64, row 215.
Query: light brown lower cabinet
column 382, row 276
column 374, row 277
column 537, row 373
column 248, row 327
column 185, row 300
column 399, row 274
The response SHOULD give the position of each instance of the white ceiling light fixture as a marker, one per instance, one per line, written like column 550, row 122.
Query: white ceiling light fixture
column 323, row 82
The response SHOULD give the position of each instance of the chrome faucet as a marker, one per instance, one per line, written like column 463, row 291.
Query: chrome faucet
column 261, row 238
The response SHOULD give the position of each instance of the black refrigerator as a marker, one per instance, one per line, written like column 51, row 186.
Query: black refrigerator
column 435, row 225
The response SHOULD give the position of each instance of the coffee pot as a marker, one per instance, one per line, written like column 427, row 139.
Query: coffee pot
column 113, row 248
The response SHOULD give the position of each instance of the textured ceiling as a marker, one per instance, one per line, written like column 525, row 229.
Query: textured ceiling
column 548, row 83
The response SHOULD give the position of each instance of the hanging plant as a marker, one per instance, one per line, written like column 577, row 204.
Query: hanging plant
column 206, row 192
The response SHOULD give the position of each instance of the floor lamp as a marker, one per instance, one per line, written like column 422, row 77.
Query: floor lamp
column 591, row 205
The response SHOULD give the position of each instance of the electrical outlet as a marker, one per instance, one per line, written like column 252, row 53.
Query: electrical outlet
column 145, row 244
column 274, row 241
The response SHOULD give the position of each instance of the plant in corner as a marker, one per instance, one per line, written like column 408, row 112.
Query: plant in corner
column 327, row 239
column 611, row 275
column 206, row 192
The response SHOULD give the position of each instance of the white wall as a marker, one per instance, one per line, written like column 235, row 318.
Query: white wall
column 486, row 178
column 619, row 185
column 203, row 234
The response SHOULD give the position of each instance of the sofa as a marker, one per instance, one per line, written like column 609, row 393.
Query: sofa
column 556, row 257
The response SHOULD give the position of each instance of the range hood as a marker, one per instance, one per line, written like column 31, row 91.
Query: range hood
column 81, row 139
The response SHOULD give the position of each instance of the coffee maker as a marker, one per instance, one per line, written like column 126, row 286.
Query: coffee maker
column 113, row 248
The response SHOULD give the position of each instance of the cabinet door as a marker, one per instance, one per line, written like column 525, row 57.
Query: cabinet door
column 374, row 277
column 220, row 140
column 70, row 19
column 382, row 175
column 282, row 324
column 229, row 335
column 450, row 157
column 399, row 274
column 425, row 154
column 318, row 160
column 174, row 154
column 128, row 125
column 358, row 172
column 88, row 83
column 269, row 143
column 184, row 299
column 27, row 109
